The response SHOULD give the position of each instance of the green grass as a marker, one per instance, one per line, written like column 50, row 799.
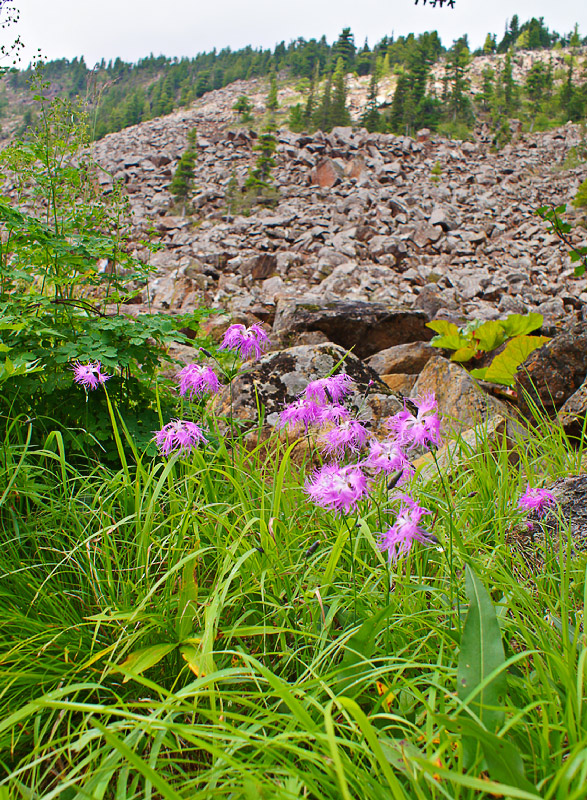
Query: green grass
column 168, row 631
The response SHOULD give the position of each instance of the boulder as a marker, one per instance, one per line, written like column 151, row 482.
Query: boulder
column 569, row 515
column 279, row 377
column 444, row 216
column 410, row 358
column 326, row 174
column 554, row 372
column 461, row 402
column 573, row 412
column 365, row 327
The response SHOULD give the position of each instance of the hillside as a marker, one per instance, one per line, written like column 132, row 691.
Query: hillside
column 444, row 226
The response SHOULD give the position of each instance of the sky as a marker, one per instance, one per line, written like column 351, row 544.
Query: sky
column 133, row 29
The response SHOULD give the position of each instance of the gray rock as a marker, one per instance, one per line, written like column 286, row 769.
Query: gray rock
column 407, row 358
column 365, row 327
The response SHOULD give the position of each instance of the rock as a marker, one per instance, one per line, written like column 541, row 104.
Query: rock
column 410, row 358
column 461, row 403
column 264, row 266
column 444, row 216
column 326, row 174
column 279, row 377
column 365, row 327
column 570, row 494
column 400, row 382
column 573, row 412
column 426, row 234
column 554, row 372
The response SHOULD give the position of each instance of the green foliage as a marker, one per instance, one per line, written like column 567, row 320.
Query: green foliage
column 65, row 269
column 181, row 186
column 243, row 108
column 561, row 228
column 580, row 199
column 477, row 338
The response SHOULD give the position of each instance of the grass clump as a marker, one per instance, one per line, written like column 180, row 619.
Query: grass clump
column 193, row 625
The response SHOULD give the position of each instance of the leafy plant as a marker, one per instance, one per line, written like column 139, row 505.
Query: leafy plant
column 475, row 339
column 559, row 227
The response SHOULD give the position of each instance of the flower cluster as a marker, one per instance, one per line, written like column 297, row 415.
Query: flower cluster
column 196, row 380
column 179, row 435
column 90, row 376
column 245, row 341
column 340, row 487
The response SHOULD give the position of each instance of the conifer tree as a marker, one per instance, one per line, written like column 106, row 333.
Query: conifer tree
column 323, row 113
column 182, row 183
column 259, row 177
column 339, row 114
column 371, row 118
column 272, row 103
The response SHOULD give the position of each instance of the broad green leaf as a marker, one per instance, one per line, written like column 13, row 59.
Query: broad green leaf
column 504, row 366
column 481, row 654
column 143, row 659
column 478, row 373
column 520, row 324
column 489, row 335
column 463, row 354
column 449, row 335
column 504, row 760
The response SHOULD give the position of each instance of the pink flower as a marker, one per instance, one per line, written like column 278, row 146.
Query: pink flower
column 422, row 429
column 349, row 435
column 245, row 341
column 196, row 380
column 179, row 435
column 397, row 540
column 337, row 488
column 537, row 500
column 333, row 413
column 388, row 457
column 301, row 412
column 329, row 390
column 89, row 375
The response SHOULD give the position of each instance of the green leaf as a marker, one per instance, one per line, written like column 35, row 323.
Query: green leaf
column 449, row 335
column 463, row 354
column 489, row 335
column 143, row 659
column 481, row 654
column 504, row 366
column 504, row 760
column 478, row 373
column 520, row 324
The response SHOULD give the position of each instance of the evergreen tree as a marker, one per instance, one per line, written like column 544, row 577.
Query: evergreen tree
column 459, row 104
column 490, row 45
column 259, row 177
column 296, row 121
column 510, row 88
column 243, row 108
column 371, row 118
column 402, row 114
column 323, row 113
column 272, row 103
column 488, row 88
column 344, row 48
column 182, row 183
column 339, row 114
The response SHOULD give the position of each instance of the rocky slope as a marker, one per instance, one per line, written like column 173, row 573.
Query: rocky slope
column 360, row 217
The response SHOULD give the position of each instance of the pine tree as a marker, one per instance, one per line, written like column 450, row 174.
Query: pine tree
column 310, row 109
column 296, row 118
column 339, row 114
column 458, row 100
column 243, row 108
column 323, row 113
column 182, row 183
column 259, row 177
column 344, row 48
column 371, row 118
column 272, row 102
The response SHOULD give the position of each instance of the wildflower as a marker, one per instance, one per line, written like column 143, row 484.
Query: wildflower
column 349, row 435
column 245, row 341
column 179, row 435
column 337, row 488
column 537, row 500
column 398, row 539
column 333, row 413
column 330, row 389
column 301, row 412
column 387, row 456
column 422, row 429
column 197, row 380
column 89, row 375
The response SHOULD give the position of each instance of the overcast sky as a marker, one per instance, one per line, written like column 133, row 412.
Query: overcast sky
column 132, row 29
